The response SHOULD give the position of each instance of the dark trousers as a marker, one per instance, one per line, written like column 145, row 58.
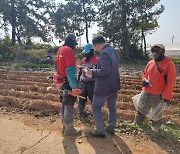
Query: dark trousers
column 146, row 102
column 139, row 119
column 67, row 107
column 87, row 92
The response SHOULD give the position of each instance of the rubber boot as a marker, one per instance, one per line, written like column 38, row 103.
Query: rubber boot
column 70, row 130
column 139, row 118
column 68, row 127
column 156, row 125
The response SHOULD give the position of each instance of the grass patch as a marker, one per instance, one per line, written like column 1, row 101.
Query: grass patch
column 127, row 127
column 176, row 60
column 170, row 130
column 88, row 119
column 31, row 65
column 25, row 65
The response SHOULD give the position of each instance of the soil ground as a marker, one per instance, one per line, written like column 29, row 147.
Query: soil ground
column 30, row 123
column 23, row 133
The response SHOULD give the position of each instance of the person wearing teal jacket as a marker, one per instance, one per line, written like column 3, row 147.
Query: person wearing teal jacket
column 66, row 67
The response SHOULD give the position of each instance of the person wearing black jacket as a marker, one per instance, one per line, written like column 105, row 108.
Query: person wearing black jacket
column 86, row 83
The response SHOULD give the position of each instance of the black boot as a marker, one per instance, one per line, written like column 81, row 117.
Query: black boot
column 97, row 134
column 139, row 118
column 156, row 125
column 110, row 131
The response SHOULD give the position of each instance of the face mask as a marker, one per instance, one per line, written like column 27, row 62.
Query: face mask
column 89, row 55
column 158, row 56
column 155, row 55
column 71, row 43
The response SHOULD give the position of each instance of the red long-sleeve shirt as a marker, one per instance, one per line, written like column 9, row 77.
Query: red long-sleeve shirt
column 65, row 57
column 156, row 78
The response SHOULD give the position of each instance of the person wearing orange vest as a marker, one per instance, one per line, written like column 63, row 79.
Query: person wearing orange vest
column 86, row 84
column 157, row 83
column 66, row 66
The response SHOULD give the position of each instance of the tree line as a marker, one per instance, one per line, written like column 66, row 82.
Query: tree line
column 125, row 23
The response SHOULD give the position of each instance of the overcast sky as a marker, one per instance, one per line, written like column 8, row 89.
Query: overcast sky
column 169, row 22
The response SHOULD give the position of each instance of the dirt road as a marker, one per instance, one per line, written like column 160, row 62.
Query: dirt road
column 22, row 133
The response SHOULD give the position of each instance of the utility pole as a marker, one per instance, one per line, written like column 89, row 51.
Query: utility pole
column 173, row 39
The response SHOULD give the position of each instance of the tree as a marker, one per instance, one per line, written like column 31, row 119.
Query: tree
column 89, row 14
column 126, row 22
column 145, row 21
column 113, row 18
column 66, row 19
column 27, row 18
column 74, row 16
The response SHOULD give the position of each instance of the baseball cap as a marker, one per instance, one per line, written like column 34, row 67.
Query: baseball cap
column 158, row 45
column 87, row 48
column 71, row 36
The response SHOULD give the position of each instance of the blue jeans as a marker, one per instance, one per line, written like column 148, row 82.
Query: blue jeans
column 97, row 103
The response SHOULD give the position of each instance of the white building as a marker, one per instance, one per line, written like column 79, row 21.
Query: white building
column 172, row 49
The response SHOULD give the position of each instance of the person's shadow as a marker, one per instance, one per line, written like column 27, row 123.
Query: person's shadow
column 69, row 144
column 111, row 144
column 166, row 143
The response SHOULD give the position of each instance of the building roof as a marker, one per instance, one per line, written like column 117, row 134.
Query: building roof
column 172, row 46
column 171, row 49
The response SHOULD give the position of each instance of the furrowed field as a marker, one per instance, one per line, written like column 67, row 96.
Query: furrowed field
column 25, row 93
column 28, row 90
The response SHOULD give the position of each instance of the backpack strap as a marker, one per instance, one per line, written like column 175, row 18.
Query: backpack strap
column 158, row 68
column 160, row 71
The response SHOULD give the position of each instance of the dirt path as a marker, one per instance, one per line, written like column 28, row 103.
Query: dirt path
column 22, row 133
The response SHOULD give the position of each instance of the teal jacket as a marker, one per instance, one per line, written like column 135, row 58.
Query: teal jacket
column 71, row 76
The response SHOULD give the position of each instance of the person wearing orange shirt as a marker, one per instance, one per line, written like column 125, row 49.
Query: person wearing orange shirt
column 157, row 84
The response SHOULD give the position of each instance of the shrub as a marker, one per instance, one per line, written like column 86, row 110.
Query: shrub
column 138, row 53
column 7, row 51
column 135, row 54
column 52, row 50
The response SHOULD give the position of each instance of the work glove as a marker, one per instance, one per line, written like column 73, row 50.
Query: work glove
column 166, row 100
column 145, row 83
column 75, row 92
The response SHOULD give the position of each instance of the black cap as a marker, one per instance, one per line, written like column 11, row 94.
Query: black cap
column 71, row 36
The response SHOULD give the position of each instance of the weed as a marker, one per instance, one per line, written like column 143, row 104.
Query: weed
column 170, row 130
column 167, row 130
column 132, row 128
